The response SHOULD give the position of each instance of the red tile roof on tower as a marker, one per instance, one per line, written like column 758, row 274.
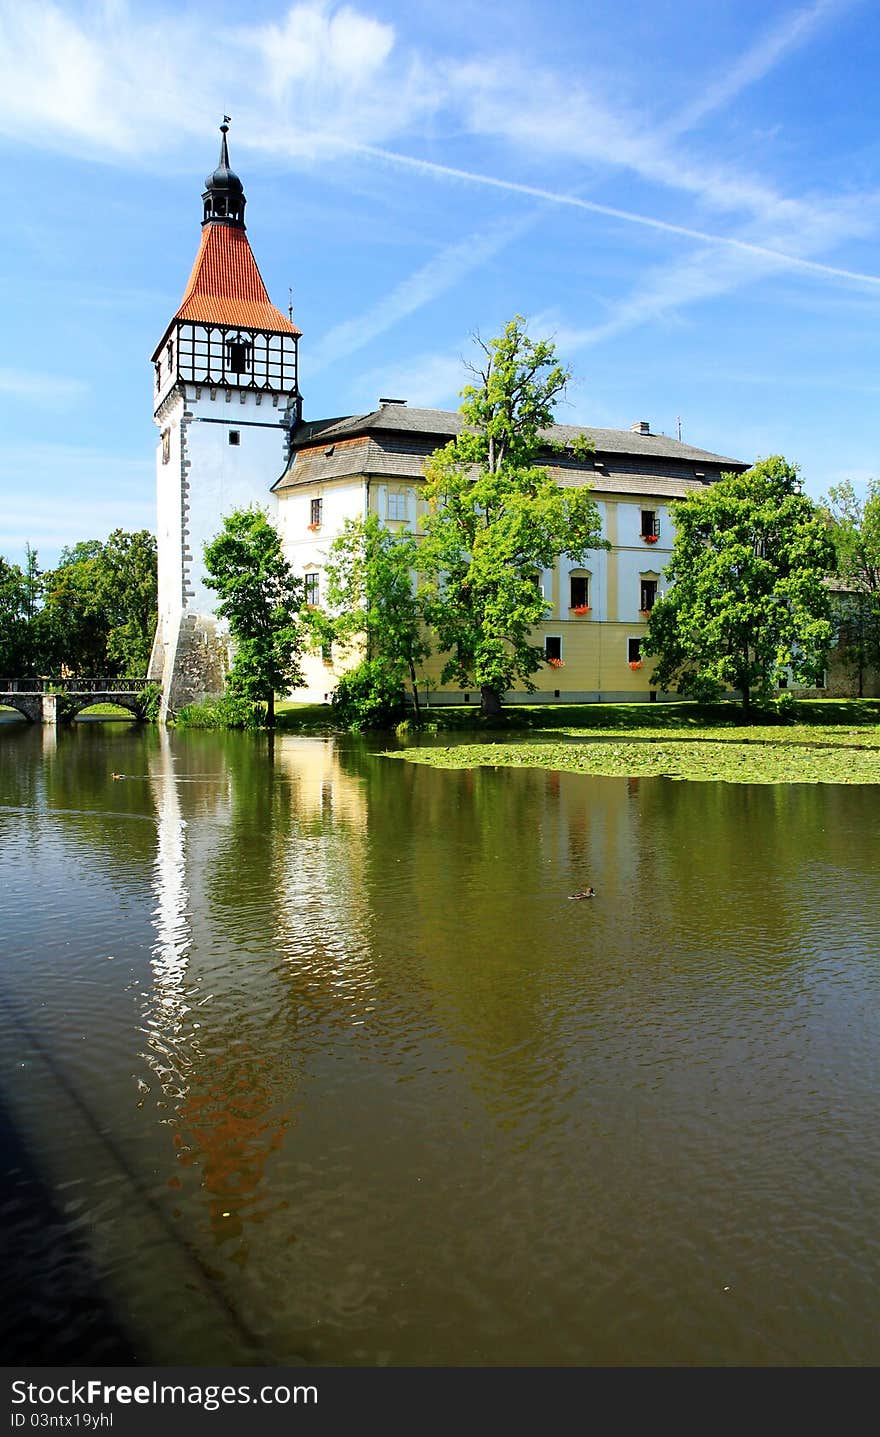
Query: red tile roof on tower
column 226, row 287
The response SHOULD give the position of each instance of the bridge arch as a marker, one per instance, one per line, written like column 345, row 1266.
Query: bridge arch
column 30, row 706
column 80, row 703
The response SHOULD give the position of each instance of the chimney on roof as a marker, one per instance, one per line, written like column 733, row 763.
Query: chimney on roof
column 392, row 401
column 641, row 426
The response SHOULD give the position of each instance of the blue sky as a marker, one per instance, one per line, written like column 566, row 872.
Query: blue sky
column 687, row 196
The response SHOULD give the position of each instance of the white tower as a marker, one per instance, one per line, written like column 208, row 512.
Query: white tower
column 226, row 394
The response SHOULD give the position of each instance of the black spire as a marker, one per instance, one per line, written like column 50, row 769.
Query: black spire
column 224, row 193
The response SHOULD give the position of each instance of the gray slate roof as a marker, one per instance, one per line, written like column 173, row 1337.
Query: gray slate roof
column 395, row 440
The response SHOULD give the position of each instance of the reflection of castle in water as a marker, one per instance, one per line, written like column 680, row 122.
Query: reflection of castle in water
column 256, row 883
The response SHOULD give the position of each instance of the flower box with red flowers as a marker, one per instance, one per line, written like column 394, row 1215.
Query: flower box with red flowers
column 556, row 663
column 313, row 527
column 635, row 663
column 650, row 538
column 580, row 609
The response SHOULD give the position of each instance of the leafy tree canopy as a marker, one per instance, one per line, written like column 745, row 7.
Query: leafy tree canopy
column 260, row 597
column 371, row 603
column 16, row 659
column 496, row 518
column 99, row 609
column 748, row 599
column 855, row 531
column 95, row 614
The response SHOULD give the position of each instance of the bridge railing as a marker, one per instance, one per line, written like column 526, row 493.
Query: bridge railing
column 72, row 684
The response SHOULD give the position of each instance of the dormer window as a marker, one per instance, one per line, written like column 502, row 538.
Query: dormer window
column 238, row 356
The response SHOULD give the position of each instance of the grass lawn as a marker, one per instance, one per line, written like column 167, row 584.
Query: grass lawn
column 291, row 717
column 106, row 711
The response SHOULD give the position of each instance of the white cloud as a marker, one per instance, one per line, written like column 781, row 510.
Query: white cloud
column 134, row 84
column 441, row 273
column 858, row 214
column 787, row 35
column 425, row 381
column 326, row 80
column 309, row 45
column 40, row 388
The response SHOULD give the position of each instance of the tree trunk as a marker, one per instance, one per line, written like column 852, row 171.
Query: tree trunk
column 490, row 703
column 746, row 700
column 417, row 708
column 270, row 711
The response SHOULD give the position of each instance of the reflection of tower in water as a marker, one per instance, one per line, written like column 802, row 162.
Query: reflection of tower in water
column 214, row 1089
column 259, row 946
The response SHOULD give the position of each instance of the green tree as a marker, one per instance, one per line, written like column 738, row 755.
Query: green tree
column 16, row 644
column 130, row 579
column 371, row 602
column 99, row 610
column 748, row 599
column 855, row 531
column 261, row 598
column 496, row 518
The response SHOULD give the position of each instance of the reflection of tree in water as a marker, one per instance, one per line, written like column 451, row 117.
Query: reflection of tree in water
column 739, row 867
column 80, row 787
column 467, row 878
column 21, row 765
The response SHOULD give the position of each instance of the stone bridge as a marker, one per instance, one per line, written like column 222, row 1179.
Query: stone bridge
column 58, row 700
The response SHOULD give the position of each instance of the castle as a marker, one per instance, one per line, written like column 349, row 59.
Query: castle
column 231, row 434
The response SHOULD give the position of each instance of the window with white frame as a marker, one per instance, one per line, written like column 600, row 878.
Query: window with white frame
column 396, row 505
column 579, row 591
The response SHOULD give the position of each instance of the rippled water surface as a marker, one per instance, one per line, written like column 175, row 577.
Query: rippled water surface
column 307, row 1056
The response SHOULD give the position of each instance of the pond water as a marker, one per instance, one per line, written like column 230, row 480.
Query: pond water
column 308, row 1057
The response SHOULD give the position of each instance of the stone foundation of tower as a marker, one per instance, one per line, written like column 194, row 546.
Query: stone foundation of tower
column 190, row 660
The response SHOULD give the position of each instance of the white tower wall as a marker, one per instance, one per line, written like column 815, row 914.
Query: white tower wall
column 201, row 477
